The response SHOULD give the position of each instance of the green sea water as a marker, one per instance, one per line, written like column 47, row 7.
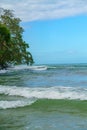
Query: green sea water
column 49, row 97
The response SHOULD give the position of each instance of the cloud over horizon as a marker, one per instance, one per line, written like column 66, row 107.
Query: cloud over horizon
column 32, row 10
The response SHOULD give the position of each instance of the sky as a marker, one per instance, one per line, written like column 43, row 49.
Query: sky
column 56, row 30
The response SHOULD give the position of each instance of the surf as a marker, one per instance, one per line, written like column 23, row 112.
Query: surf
column 24, row 67
column 57, row 98
column 15, row 104
column 58, row 92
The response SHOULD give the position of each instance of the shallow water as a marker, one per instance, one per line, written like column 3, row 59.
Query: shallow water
column 49, row 97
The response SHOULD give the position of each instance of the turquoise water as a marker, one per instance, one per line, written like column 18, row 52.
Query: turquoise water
column 49, row 97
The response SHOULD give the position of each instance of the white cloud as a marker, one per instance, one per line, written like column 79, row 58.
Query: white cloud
column 30, row 10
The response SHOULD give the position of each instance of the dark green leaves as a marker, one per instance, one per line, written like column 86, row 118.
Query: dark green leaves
column 13, row 49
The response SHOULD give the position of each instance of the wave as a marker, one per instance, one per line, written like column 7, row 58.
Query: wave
column 25, row 96
column 68, row 66
column 24, row 67
column 3, row 71
column 21, row 67
column 45, row 93
column 15, row 104
column 45, row 67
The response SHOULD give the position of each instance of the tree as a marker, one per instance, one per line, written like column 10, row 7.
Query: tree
column 17, row 47
column 4, row 46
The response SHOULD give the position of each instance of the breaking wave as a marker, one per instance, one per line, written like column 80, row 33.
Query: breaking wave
column 45, row 93
column 24, row 67
column 15, row 104
column 25, row 96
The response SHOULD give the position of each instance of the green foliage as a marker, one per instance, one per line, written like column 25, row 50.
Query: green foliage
column 5, row 54
column 4, row 34
column 11, row 39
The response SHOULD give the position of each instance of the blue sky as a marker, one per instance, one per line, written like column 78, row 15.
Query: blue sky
column 56, row 30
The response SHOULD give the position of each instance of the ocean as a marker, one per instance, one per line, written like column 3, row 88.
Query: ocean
column 44, row 97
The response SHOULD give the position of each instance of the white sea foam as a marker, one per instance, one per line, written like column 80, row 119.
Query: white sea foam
column 3, row 71
column 15, row 104
column 21, row 67
column 45, row 93
column 38, row 68
column 24, row 67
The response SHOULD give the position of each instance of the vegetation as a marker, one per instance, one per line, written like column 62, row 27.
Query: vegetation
column 4, row 46
column 13, row 49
